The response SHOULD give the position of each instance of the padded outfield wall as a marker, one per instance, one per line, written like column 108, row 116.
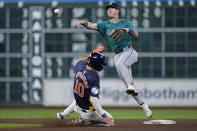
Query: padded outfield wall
column 156, row 92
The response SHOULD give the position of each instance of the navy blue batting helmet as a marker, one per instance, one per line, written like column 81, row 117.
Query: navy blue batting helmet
column 112, row 5
column 96, row 60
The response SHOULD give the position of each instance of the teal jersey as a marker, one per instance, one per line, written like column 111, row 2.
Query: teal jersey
column 106, row 27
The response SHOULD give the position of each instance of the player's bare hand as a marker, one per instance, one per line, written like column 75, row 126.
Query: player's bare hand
column 109, row 121
column 79, row 23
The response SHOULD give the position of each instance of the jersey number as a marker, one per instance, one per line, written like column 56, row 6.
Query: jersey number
column 79, row 89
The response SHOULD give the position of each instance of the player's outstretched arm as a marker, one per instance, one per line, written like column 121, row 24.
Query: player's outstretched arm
column 97, row 106
column 88, row 25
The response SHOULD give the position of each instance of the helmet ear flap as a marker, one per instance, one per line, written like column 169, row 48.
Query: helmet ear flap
column 88, row 61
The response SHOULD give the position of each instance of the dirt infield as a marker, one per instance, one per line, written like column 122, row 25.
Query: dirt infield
column 121, row 125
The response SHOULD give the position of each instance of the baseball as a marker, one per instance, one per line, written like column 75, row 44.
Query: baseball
column 56, row 11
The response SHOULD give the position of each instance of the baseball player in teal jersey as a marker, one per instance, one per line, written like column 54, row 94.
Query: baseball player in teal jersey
column 118, row 33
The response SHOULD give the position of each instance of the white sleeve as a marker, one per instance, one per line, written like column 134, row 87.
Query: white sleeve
column 97, row 106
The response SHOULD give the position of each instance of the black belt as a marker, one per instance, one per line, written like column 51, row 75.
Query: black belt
column 120, row 50
column 84, row 110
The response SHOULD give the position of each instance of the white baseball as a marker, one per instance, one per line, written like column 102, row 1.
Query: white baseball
column 56, row 11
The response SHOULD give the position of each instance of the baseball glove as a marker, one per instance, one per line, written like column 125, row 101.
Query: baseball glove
column 118, row 34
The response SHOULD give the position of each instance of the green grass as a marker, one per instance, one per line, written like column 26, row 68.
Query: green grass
column 19, row 113
column 175, row 114
column 13, row 125
column 37, row 113
column 178, row 114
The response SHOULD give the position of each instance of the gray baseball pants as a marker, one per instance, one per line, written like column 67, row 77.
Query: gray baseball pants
column 123, row 62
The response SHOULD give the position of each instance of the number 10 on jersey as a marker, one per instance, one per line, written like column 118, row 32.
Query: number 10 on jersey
column 79, row 88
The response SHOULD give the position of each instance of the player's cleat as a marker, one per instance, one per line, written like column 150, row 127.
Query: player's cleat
column 131, row 90
column 147, row 111
column 82, row 122
column 60, row 115
column 78, row 121
column 96, row 123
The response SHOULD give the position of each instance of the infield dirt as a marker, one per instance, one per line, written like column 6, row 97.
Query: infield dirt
column 121, row 125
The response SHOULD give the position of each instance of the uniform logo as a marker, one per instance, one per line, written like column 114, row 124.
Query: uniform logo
column 95, row 91
column 108, row 32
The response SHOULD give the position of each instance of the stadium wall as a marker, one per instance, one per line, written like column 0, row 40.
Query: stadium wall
column 156, row 92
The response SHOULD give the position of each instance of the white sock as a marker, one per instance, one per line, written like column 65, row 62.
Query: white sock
column 69, row 109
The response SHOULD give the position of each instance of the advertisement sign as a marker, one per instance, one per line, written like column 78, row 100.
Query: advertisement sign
column 155, row 92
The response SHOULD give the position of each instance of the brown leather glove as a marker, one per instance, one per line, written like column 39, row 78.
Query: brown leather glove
column 118, row 34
